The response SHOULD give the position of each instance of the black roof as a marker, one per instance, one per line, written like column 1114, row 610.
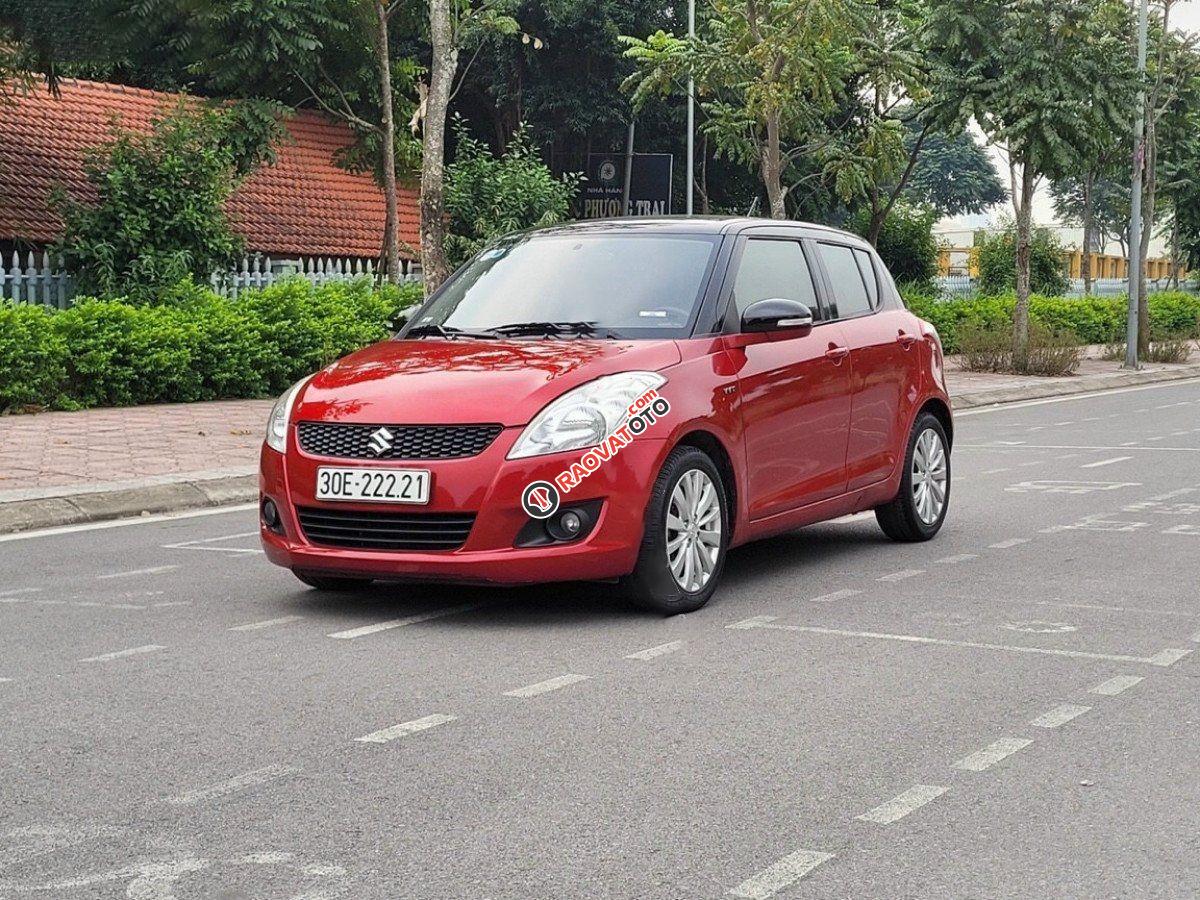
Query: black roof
column 685, row 225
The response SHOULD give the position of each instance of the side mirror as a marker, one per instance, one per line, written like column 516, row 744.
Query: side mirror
column 777, row 315
column 397, row 322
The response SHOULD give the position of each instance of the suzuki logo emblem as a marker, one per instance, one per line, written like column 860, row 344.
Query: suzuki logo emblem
column 381, row 441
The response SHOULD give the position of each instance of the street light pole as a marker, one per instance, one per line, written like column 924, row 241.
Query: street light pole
column 1135, row 206
column 691, row 115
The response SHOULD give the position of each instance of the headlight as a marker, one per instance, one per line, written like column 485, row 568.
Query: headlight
column 585, row 416
column 281, row 414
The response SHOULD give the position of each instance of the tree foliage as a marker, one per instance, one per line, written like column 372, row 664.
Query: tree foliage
column 953, row 174
column 997, row 263
column 159, row 212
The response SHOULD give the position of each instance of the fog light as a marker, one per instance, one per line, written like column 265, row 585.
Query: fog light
column 568, row 524
column 270, row 514
column 571, row 523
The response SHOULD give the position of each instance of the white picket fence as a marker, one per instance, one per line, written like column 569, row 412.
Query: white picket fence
column 38, row 281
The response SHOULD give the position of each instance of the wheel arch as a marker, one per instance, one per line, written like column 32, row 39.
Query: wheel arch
column 939, row 409
column 712, row 447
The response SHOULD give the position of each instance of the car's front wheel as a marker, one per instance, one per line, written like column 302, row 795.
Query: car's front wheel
column 920, row 508
column 686, row 537
column 331, row 582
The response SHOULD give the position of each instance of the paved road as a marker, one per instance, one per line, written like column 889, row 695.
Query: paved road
column 1010, row 711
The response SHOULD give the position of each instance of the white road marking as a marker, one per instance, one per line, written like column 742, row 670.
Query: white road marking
column 1009, row 544
column 401, row 623
column 1068, row 456
column 405, row 728
column 232, row 785
column 167, row 603
column 1165, row 658
column 901, row 575
column 266, row 623
column 997, row 471
column 992, row 754
column 1195, row 638
column 542, row 687
column 199, row 544
column 1105, row 462
column 836, row 595
column 122, row 523
column 660, row 650
column 753, row 622
column 951, row 560
column 15, row 592
column 1170, row 657
column 1114, row 686
column 903, row 804
column 156, row 570
column 998, row 446
column 775, row 878
column 1060, row 715
column 121, row 654
column 5, row 680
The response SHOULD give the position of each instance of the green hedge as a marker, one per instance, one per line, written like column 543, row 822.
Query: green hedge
column 195, row 346
column 1094, row 320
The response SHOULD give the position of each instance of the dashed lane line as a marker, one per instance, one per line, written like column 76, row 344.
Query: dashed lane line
column 1060, row 715
column 232, row 785
column 951, row 560
column 363, row 631
column 155, row 570
column 773, row 879
column 901, row 575
column 544, row 687
column 266, row 623
column 405, row 728
column 1009, row 544
column 1105, row 462
column 901, row 805
column 654, row 652
column 993, row 753
column 835, row 596
column 17, row 591
column 1117, row 685
column 121, row 654
column 1162, row 659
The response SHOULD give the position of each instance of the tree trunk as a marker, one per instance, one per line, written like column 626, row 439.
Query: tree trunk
column 772, row 166
column 1147, row 230
column 1085, row 263
column 878, row 215
column 1175, row 264
column 444, row 64
column 388, row 149
column 1024, row 234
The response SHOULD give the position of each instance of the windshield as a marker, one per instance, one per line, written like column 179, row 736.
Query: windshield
column 597, row 285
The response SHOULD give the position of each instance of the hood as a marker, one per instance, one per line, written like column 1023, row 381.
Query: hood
column 431, row 382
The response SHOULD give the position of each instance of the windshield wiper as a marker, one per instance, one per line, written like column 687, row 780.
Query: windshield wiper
column 450, row 333
column 551, row 329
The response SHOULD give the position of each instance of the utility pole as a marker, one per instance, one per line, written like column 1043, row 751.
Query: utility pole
column 1135, row 206
column 628, row 166
column 691, row 116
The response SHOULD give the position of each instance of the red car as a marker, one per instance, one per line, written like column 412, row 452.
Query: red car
column 616, row 400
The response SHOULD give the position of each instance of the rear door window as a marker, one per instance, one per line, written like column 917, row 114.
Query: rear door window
column 845, row 280
column 863, row 258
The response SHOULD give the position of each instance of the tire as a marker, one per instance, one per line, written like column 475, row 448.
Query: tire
column 905, row 518
column 331, row 582
column 653, row 585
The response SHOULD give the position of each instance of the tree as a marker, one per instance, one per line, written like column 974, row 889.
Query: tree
column 1045, row 79
column 997, row 269
column 953, row 174
column 1098, row 202
column 769, row 73
column 159, row 212
column 489, row 196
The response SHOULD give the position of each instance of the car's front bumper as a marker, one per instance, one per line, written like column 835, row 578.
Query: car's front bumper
column 489, row 486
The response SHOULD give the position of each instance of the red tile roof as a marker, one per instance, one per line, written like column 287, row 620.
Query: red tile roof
column 301, row 205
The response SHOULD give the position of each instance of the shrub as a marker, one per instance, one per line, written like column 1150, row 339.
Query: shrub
column 33, row 358
column 1170, row 350
column 1051, row 351
column 198, row 346
column 906, row 245
column 998, row 263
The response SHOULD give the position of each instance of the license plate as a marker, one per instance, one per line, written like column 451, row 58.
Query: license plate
column 373, row 485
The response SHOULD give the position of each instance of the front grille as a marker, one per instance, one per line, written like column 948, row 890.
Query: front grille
column 385, row 531
column 407, row 441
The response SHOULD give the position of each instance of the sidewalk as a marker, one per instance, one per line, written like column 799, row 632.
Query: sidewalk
column 64, row 468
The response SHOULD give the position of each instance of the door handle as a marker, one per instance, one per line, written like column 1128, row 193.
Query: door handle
column 836, row 353
column 906, row 340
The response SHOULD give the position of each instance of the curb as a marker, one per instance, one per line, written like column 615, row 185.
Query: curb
column 1091, row 384
column 98, row 506
column 199, row 493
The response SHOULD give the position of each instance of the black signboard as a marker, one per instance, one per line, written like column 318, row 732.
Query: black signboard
column 601, row 194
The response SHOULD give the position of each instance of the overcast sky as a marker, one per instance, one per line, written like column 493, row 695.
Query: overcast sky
column 1184, row 16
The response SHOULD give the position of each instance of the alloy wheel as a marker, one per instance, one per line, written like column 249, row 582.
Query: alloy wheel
column 930, row 476
column 693, row 530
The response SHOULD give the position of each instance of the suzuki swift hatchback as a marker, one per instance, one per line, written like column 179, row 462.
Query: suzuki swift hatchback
column 616, row 400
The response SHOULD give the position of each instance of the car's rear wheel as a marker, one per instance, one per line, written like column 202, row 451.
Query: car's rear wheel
column 331, row 582
column 686, row 537
column 920, row 508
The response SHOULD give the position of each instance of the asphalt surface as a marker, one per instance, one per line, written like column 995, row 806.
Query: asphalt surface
column 1008, row 711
